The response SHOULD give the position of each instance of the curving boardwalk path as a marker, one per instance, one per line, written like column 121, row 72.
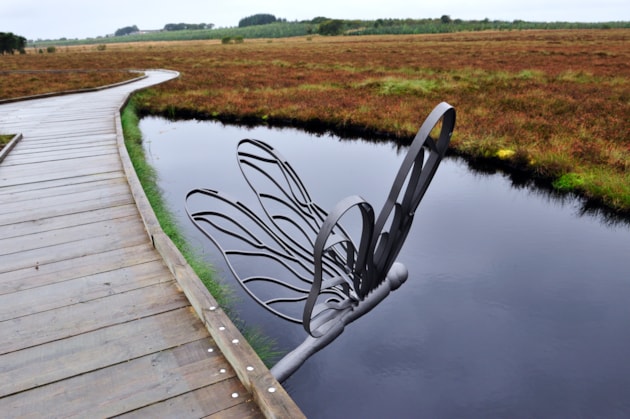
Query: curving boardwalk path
column 99, row 314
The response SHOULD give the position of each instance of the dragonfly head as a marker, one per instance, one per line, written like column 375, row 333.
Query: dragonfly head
column 397, row 274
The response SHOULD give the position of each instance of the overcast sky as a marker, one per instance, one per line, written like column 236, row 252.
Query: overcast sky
column 53, row 19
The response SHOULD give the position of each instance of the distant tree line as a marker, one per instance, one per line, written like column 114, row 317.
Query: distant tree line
column 280, row 28
column 127, row 30
column 9, row 43
column 444, row 24
column 259, row 19
column 187, row 26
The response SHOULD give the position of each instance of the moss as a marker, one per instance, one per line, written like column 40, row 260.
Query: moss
column 569, row 182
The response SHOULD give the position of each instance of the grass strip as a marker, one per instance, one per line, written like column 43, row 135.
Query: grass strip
column 264, row 346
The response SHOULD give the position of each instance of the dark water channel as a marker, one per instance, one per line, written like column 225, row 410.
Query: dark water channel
column 516, row 305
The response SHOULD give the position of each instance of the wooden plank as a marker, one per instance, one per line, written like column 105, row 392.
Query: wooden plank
column 51, row 200
column 91, row 245
column 202, row 402
column 69, row 135
column 85, row 265
column 81, row 290
column 65, row 208
column 49, row 156
column 64, row 189
column 70, row 140
column 70, row 234
column 68, row 172
column 50, row 362
column 51, row 133
column 51, row 183
column 54, row 129
column 124, row 387
column 33, row 147
column 54, row 167
column 247, row 410
column 74, row 320
column 60, row 222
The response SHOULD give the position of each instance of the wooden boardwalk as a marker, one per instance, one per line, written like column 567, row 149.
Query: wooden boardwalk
column 99, row 314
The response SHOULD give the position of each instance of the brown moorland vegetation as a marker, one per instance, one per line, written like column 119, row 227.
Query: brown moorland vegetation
column 15, row 84
column 554, row 104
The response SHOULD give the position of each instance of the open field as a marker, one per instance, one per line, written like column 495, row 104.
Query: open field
column 552, row 104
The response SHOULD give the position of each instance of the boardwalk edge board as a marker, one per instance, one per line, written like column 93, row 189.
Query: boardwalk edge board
column 7, row 148
column 271, row 397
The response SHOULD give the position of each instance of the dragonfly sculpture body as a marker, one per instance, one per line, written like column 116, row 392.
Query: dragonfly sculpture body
column 321, row 276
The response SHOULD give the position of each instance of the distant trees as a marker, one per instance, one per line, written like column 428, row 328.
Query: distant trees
column 187, row 26
column 9, row 43
column 259, row 19
column 126, row 30
column 331, row 27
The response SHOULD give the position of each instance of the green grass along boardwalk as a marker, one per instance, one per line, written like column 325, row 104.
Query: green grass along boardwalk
column 100, row 315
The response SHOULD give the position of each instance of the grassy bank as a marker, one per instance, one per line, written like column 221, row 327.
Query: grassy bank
column 264, row 347
column 148, row 179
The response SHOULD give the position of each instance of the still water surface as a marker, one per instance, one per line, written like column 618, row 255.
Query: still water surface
column 516, row 305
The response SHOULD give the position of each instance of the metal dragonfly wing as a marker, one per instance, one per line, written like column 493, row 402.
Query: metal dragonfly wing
column 297, row 260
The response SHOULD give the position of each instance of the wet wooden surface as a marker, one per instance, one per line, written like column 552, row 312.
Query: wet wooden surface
column 93, row 323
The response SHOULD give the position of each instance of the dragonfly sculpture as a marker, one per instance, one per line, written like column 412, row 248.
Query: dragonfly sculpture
column 296, row 259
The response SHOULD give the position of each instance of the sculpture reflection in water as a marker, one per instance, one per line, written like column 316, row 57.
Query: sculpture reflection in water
column 296, row 259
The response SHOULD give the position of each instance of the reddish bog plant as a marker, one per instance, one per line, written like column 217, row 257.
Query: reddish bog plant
column 555, row 104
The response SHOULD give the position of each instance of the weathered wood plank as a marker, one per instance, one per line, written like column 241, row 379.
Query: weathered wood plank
column 45, row 239
column 55, row 155
column 50, row 200
column 40, row 139
column 55, row 130
column 50, row 362
column 35, row 144
column 68, row 172
column 74, row 320
column 247, row 410
column 84, row 265
column 199, row 403
column 81, row 290
column 124, row 387
column 52, row 183
column 54, row 167
column 91, row 245
column 65, row 208
column 60, row 222
column 58, row 190
column 33, row 148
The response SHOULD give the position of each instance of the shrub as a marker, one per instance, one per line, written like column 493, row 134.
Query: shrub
column 331, row 27
column 51, row 49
